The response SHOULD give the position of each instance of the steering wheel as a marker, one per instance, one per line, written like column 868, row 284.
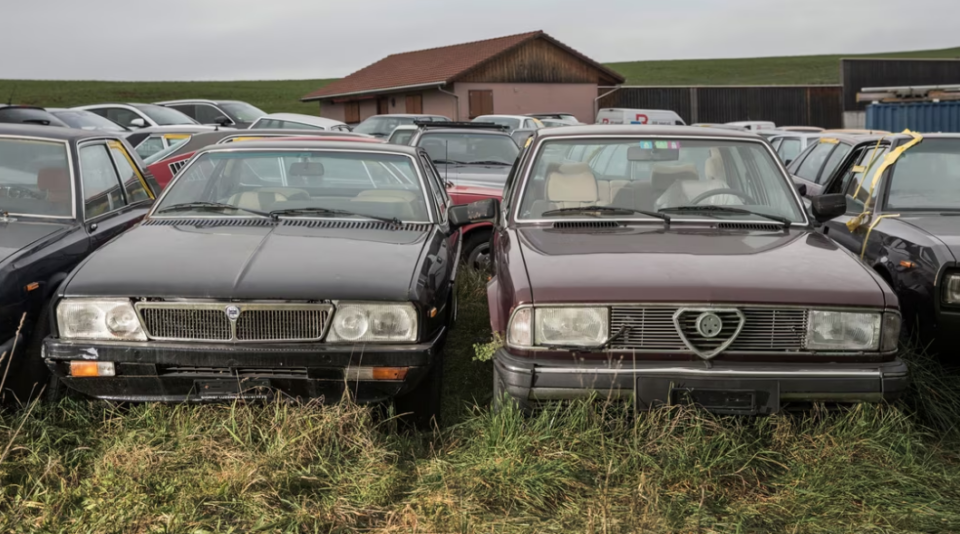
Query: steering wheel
column 17, row 191
column 717, row 192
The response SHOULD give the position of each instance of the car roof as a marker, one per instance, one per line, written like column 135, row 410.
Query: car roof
column 201, row 140
column 54, row 132
column 505, row 116
column 385, row 148
column 481, row 131
column 180, row 128
column 188, row 100
column 634, row 130
column 301, row 117
column 404, row 115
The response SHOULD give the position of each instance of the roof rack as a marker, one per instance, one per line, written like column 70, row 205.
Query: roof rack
column 447, row 125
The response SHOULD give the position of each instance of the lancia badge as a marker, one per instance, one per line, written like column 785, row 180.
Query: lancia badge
column 233, row 312
column 709, row 325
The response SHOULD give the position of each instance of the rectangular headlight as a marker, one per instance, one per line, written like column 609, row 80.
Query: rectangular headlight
column 99, row 319
column 951, row 288
column 581, row 327
column 843, row 331
column 360, row 322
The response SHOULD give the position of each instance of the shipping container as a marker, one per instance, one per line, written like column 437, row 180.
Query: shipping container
column 923, row 117
column 785, row 105
column 855, row 74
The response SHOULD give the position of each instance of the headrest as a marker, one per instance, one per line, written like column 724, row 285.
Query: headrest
column 53, row 179
column 713, row 169
column 664, row 175
column 573, row 182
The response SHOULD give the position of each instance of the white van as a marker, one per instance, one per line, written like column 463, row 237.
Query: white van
column 638, row 116
column 754, row 125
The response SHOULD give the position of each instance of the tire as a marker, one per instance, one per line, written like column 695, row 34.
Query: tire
column 477, row 249
column 421, row 407
column 28, row 375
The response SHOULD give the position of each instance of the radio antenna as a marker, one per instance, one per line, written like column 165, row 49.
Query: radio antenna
column 13, row 91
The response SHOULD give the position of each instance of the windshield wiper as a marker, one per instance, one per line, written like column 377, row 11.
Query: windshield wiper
column 489, row 162
column 447, row 162
column 597, row 210
column 328, row 211
column 209, row 206
column 727, row 209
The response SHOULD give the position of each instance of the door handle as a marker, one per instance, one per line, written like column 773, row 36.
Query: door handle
column 93, row 227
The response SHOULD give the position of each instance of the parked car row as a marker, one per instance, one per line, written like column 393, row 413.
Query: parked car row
column 663, row 263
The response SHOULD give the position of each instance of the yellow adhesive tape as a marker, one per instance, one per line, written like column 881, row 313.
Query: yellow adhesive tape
column 863, row 250
column 873, row 157
column 888, row 161
column 829, row 140
column 143, row 182
column 859, row 169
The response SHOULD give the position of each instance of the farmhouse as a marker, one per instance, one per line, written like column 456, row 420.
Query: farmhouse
column 518, row 74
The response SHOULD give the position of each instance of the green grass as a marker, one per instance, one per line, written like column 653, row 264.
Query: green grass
column 284, row 95
column 88, row 467
column 794, row 70
column 271, row 96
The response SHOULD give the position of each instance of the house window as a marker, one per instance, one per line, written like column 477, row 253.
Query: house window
column 481, row 103
column 383, row 106
column 415, row 104
column 351, row 112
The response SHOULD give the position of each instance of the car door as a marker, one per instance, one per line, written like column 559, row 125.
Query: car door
column 125, row 117
column 444, row 248
column 210, row 114
column 809, row 170
column 190, row 110
column 858, row 188
column 829, row 168
column 115, row 193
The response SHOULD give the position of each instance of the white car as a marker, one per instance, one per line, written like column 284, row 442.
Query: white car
column 298, row 121
column 140, row 115
column 754, row 125
column 662, row 117
column 512, row 122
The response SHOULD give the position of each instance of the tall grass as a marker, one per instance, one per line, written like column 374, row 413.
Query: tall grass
column 90, row 467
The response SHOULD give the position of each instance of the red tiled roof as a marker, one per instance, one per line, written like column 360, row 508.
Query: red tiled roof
column 432, row 66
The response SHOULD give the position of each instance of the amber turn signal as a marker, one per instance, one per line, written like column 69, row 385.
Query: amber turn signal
column 89, row 369
column 376, row 373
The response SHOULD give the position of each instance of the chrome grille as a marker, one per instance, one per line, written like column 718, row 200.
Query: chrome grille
column 764, row 329
column 208, row 321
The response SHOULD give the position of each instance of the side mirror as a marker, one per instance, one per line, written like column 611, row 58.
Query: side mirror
column 801, row 188
column 827, row 207
column 479, row 211
column 222, row 121
column 138, row 123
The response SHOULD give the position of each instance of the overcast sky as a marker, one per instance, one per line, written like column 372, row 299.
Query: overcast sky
column 298, row 39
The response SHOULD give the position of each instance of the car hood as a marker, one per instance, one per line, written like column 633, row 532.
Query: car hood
column 494, row 176
column 945, row 229
column 642, row 264
column 273, row 261
column 18, row 234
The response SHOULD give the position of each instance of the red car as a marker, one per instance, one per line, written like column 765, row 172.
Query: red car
column 475, row 237
column 164, row 170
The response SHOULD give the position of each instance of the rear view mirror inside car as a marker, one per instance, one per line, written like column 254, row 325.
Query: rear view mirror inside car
column 306, row 169
column 654, row 151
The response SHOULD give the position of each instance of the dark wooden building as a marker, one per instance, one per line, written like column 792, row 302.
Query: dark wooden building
column 513, row 75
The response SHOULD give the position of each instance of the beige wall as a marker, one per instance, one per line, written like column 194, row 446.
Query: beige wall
column 523, row 98
column 508, row 99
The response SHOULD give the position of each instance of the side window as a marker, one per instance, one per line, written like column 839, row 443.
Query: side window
column 811, row 166
column 776, row 143
column 789, row 149
column 840, row 186
column 207, row 114
column 265, row 123
column 150, row 146
column 129, row 176
column 121, row 116
column 858, row 190
column 437, row 188
column 187, row 109
column 101, row 185
column 833, row 162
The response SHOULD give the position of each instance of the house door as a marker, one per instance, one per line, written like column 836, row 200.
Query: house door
column 383, row 106
column 415, row 104
column 481, row 103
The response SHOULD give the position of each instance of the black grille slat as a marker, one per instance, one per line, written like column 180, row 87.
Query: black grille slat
column 577, row 225
column 218, row 221
column 276, row 325
column 186, row 323
column 355, row 225
column 256, row 322
column 750, row 226
column 764, row 329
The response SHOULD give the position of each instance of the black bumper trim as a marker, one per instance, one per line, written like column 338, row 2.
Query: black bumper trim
column 535, row 380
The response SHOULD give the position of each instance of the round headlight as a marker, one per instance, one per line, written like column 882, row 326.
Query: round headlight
column 390, row 323
column 122, row 320
column 351, row 323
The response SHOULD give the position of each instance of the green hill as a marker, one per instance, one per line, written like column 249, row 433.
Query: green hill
column 284, row 95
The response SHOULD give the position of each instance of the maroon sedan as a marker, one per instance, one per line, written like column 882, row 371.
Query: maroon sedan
column 676, row 265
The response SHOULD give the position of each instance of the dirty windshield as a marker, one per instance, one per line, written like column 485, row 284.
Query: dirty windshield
column 366, row 184
column 926, row 177
column 469, row 148
column 35, row 178
column 692, row 177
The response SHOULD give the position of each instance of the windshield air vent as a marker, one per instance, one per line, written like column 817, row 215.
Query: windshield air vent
column 585, row 224
column 355, row 225
column 750, row 226
column 219, row 221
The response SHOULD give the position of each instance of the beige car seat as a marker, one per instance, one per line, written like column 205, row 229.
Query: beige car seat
column 572, row 185
column 265, row 198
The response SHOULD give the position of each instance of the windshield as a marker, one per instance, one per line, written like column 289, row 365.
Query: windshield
column 401, row 137
column 657, row 174
column 371, row 184
column 35, row 178
column 29, row 116
column 163, row 154
column 512, row 124
column 242, row 111
column 164, row 116
column 86, row 120
column 381, row 126
column 926, row 177
column 469, row 148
